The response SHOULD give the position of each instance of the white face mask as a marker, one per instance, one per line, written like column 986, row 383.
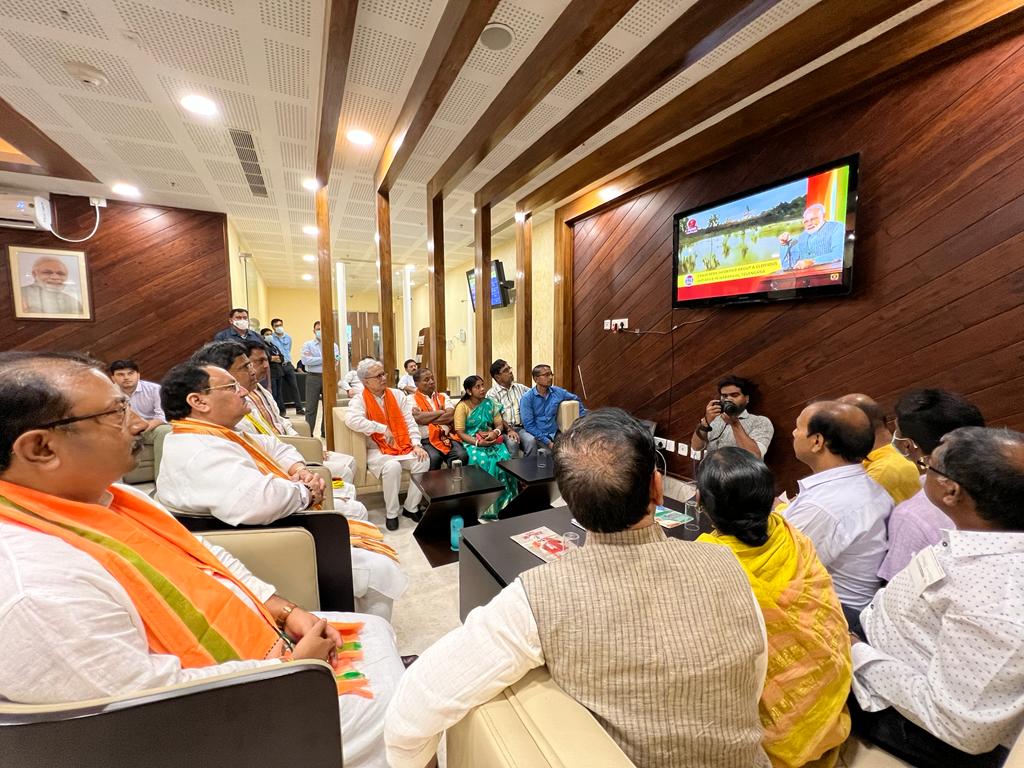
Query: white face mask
column 279, row 330
column 242, row 325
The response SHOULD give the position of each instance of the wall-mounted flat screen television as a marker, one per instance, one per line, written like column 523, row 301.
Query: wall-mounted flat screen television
column 499, row 288
column 791, row 239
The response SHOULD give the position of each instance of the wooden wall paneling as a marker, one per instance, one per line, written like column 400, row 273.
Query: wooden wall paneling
column 385, row 285
column 51, row 158
column 482, row 246
column 328, row 315
column 435, row 287
column 340, row 30
column 159, row 279
column 938, row 275
column 579, row 27
column 562, row 315
column 457, row 33
column 700, row 29
column 524, row 297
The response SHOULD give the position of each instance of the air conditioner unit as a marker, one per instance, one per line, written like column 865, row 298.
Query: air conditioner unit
column 25, row 210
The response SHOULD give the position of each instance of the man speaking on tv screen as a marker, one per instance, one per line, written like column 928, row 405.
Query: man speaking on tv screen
column 820, row 243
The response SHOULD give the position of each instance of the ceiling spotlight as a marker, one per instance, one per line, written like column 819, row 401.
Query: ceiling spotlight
column 309, row 257
column 520, row 216
column 497, row 37
column 310, row 230
column 311, row 184
column 473, row 211
column 357, row 136
column 128, row 190
column 307, row 277
column 199, row 105
column 608, row 193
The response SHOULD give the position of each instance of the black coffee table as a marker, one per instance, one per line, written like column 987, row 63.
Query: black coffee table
column 537, row 489
column 447, row 497
column 490, row 560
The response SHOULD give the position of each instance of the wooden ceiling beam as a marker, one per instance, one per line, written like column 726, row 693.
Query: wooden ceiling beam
column 868, row 66
column 341, row 27
column 702, row 28
column 50, row 157
column 578, row 29
column 812, row 34
column 457, row 33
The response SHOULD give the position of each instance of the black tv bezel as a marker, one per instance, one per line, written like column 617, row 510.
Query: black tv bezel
column 843, row 288
column 498, row 270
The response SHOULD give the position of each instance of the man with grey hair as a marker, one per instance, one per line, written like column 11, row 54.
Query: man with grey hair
column 384, row 415
column 821, row 243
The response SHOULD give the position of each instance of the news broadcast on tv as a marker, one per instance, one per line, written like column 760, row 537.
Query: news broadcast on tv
column 780, row 242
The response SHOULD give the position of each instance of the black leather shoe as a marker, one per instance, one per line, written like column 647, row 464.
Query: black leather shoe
column 392, row 523
column 414, row 516
column 409, row 660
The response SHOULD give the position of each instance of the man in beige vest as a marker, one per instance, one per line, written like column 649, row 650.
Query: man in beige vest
column 660, row 638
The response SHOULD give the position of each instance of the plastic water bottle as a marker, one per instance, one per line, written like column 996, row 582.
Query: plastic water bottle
column 456, row 527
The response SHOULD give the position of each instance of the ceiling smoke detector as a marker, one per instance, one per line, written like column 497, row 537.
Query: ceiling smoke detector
column 497, row 37
column 86, row 74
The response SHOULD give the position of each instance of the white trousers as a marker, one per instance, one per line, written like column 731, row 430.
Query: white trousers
column 362, row 720
column 389, row 470
column 377, row 581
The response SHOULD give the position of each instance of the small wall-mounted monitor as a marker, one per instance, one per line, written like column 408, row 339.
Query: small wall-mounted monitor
column 499, row 288
column 791, row 239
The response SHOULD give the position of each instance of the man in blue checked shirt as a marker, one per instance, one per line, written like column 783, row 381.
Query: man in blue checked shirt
column 539, row 406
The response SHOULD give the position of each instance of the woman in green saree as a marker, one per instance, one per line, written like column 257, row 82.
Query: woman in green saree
column 479, row 424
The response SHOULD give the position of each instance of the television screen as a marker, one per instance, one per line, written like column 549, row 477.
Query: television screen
column 499, row 289
column 791, row 239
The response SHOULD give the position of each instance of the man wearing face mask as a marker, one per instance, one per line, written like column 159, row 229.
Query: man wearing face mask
column 239, row 329
column 313, row 359
column 289, row 384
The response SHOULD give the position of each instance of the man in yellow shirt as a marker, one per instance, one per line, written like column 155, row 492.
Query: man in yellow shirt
column 886, row 465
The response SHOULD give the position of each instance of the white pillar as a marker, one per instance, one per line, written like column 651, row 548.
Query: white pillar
column 341, row 286
column 410, row 345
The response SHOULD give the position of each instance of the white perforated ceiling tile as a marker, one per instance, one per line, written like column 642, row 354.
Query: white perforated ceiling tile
column 120, row 119
column 76, row 146
column 68, row 15
column 435, row 141
column 287, row 68
column 48, row 58
column 210, row 140
column 239, row 108
column 223, row 6
column 380, row 60
column 536, row 122
column 292, row 120
column 413, row 13
column 526, row 24
column 649, row 15
column 358, row 110
column 6, row 70
column 288, row 15
column 589, row 73
column 32, row 105
column 464, row 101
column 151, row 155
column 296, row 155
column 172, row 182
column 226, row 171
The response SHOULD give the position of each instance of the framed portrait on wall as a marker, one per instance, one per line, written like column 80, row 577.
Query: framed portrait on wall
column 49, row 284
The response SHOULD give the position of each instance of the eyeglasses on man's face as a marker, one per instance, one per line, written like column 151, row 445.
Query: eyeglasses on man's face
column 234, row 385
column 123, row 412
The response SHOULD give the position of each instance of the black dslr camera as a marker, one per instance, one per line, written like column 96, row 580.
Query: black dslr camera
column 729, row 408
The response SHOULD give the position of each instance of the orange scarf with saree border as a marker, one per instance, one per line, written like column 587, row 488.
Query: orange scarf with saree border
column 435, row 434
column 392, row 416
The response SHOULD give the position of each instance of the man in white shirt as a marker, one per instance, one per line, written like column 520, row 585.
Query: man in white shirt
column 69, row 629
column 608, row 622
column 726, row 421
column 384, row 415
column 939, row 674
column 143, row 395
column 840, row 508
column 405, row 382
column 351, row 383
column 507, row 393
column 203, row 470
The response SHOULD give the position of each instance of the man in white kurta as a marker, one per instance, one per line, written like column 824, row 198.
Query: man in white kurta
column 208, row 474
column 386, row 466
column 68, row 629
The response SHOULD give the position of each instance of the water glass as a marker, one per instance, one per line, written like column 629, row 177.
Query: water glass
column 570, row 540
column 456, row 466
column 542, row 457
column 691, row 509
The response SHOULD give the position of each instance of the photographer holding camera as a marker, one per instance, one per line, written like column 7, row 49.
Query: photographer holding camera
column 726, row 421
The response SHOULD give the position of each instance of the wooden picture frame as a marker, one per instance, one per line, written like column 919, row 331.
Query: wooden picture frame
column 49, row 284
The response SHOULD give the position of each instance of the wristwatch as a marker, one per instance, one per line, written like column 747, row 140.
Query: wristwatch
column 285, row 613
column 702, row 427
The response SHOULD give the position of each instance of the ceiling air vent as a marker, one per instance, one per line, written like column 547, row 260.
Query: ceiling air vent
column 245, row 148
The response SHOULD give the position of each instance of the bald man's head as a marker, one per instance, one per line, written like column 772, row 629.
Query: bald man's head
column 845, row 430
column 871, row 408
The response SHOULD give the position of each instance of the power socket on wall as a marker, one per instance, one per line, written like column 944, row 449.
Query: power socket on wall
column 665, row 444
column 621, row 324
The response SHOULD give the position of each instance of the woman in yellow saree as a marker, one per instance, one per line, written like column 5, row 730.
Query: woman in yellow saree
column 803, row 705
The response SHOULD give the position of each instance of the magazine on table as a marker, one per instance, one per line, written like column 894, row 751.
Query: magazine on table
column 670, row 518
column 542, row 542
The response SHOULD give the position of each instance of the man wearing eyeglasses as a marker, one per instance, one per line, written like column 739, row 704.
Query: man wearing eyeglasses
column 384, row 415
column 923, row 416
column 539, row 406
column 79, row 555
column 840, row 508
column 939, row 660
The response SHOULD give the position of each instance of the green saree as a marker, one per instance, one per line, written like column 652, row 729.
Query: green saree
column 481, row 419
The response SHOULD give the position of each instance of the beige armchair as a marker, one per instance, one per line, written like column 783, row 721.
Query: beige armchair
column 353, row 443
column 284, row 704
column 568, row 412
column 532, row 723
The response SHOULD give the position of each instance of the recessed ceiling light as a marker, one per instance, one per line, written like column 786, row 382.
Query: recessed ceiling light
column 199, row 105
column 310, row 230
column 307, row 277
column 608, row 193
column 357, row 136
column 128, row 190
column 309, row 257
column 497, row 37
column 520, row 216
column 473, row 211
column 311, row 184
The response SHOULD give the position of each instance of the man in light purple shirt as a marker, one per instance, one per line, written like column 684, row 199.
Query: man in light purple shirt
column 143, row 395
column 923, row 416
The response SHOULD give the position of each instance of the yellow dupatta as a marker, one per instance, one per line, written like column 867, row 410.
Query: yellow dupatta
column 803, row 705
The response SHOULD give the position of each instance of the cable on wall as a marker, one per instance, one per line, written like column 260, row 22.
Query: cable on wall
column 95, row 227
